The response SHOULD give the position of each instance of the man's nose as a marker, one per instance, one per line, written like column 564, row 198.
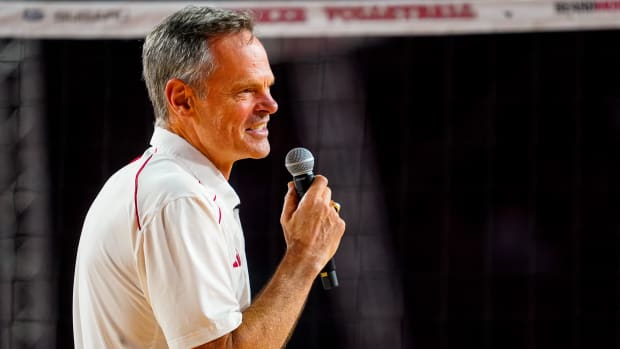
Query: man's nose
column 268, row 104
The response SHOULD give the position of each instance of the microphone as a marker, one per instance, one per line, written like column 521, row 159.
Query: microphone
column 300, row 163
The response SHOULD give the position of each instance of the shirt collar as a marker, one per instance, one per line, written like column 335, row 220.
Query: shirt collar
column 196, row 163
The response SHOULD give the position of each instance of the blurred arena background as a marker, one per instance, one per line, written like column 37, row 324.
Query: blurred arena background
column 474, row 146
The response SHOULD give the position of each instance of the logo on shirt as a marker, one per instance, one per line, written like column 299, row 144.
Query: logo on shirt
column 237, row 262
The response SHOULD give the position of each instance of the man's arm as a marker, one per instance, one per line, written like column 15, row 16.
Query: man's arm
column 312, row 231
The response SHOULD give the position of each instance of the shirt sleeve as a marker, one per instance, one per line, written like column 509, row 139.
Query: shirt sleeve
column 186, row 266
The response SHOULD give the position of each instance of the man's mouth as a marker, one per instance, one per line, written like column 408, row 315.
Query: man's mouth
column 258, row 127
column 258, row 130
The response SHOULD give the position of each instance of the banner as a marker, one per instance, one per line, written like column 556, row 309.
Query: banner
column 27, row 19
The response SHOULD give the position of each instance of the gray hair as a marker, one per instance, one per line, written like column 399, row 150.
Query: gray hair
column 179, row 48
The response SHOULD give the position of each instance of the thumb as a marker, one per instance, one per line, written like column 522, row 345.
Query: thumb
column 290, row 202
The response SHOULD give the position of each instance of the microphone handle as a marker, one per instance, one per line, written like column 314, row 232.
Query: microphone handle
column 328, row 276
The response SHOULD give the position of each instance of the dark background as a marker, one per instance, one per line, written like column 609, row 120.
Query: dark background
column 478, row 175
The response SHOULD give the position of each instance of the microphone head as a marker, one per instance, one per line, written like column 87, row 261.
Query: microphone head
column 299, row 161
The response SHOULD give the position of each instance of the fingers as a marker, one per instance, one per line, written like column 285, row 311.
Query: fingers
column 335, row 205
column 290, row 202
column 319, row 194
column 319, row 191
column 312, row 226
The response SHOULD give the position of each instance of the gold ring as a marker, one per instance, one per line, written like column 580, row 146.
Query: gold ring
column 335, row 205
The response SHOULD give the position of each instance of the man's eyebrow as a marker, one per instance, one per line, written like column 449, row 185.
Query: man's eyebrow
column 252, row 82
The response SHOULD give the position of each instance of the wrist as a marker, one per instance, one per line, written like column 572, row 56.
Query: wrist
column 304, row 261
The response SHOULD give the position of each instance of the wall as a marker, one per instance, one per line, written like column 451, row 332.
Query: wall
column 478, row 177
column 28, row 274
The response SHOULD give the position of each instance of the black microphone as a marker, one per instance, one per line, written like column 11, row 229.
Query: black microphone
column 300, row 163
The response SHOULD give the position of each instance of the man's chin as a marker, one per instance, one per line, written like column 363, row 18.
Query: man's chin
column 260, row 152
column 261, row 156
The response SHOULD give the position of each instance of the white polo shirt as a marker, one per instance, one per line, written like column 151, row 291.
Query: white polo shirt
column 161, row 260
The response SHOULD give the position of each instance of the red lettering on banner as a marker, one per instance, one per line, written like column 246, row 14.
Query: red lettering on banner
column 608, row 5
column 279, row 14
column 397, row 12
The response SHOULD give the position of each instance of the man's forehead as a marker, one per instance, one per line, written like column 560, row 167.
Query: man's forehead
column 234, row 40
column 237, row 48
column 238, row 58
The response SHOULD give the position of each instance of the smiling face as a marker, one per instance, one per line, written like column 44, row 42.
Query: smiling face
column 232, row 115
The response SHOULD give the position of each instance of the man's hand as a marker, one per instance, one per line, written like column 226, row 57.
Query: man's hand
column 312, row 228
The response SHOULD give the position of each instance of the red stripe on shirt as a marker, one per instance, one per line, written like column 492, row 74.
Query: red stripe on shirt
column 219, row 220
column 135, row 190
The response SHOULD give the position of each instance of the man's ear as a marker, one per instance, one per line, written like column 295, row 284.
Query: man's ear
column 180, row 97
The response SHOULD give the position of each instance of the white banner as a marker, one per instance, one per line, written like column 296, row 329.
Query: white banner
column 26, row 19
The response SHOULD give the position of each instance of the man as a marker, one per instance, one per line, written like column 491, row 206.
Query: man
column 161, row 261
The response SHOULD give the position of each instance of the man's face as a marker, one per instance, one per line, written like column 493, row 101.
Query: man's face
column 234, row 112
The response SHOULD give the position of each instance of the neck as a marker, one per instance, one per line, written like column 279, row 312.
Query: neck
column 192, row 138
